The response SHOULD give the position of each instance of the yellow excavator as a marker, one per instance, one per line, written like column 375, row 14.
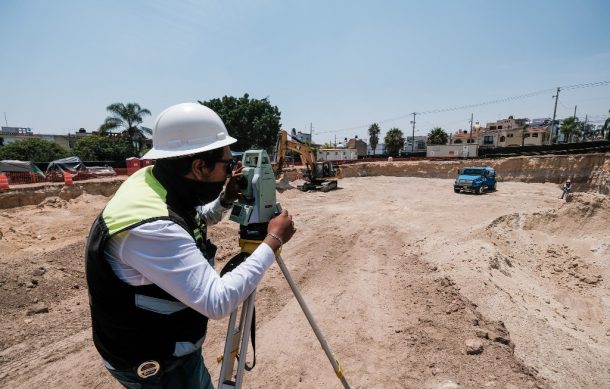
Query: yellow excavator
column 318, row 175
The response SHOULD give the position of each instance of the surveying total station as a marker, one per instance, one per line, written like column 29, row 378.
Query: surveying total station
column 253, row 212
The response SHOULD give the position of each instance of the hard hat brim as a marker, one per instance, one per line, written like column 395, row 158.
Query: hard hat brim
column 186, row 149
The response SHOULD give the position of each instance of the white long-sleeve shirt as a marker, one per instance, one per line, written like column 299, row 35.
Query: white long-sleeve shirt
column 163, row 253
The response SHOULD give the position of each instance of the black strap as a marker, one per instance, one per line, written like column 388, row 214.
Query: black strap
column 229, row 267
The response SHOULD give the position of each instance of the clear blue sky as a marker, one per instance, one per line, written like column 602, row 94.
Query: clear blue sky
column 339, row 65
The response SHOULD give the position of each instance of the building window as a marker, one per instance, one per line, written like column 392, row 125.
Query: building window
column 492, row 127
column 535, row 135
column 526, row 135
column 488, row 140
column 499, row 127
column 502, row 138
column 469, row 140
column 457, row 141
column 509, row 135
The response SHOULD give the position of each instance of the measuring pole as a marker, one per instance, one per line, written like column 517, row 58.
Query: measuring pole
column 553, row 132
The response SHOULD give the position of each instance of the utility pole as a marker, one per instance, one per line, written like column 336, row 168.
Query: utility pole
column 576, row 106
column 470, row 137
column 553, row 132
column 584, row 128
column 413, row 138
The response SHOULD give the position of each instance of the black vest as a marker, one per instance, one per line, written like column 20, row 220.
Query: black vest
column 124, row 334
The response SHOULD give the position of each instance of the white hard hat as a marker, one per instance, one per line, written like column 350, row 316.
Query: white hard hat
column 185, row 129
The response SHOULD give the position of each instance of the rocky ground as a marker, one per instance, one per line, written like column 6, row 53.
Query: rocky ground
column 413, row 286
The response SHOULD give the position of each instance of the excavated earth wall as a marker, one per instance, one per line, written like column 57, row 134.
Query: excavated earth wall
column 589, row 173
column 33, row 194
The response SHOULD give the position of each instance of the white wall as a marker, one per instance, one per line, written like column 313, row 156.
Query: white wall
column 457, row 151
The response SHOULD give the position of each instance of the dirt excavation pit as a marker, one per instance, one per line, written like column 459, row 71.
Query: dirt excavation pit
column 413, row 286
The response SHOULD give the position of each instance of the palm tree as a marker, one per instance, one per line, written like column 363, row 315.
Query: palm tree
column 374, row 136
column 437, row 136
column 394, row 141
column 570, row 127
column 127, row 116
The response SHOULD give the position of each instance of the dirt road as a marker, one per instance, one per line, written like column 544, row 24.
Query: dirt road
column 413, row 286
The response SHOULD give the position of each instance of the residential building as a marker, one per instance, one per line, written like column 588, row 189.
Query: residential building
column 503, row 133
column 516, row 132
column 300, row 136
column 464, row 136
column 358, row 144
column 420, row 144
column 9, row 135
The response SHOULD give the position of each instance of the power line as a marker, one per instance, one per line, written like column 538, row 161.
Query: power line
column 497, row 101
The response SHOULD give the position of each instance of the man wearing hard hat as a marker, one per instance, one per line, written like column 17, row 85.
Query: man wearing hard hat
column 149, row 265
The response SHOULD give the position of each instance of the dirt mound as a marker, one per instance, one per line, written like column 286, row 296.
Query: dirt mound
column 584, row 214
column 283, row 183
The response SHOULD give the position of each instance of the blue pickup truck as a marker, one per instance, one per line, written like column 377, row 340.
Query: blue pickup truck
column 475, row 179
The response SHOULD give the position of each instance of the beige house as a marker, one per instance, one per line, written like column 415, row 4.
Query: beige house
column 464, row 137
column 513, row 132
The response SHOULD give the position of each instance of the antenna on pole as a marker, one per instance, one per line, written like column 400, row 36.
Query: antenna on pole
column 413, row 138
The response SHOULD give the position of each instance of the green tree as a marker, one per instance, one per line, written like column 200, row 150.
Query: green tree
column 102, row 148
column 394, row 141
column 437, row 136
column 127, row 117
column 374, row 136
column 570, row 127
column 255, row 123
column 587, row 131
column 327, row 145
column 36, row 150
column 606, row 128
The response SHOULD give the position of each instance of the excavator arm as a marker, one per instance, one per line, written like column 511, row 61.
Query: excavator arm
column 305, row 152
column 318, row 175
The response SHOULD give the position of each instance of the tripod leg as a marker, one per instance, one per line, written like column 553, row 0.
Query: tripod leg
column 248, row 308
column 312, row 322
column 236, row 345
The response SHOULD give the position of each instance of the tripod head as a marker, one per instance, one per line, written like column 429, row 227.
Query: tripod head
column 258, row 203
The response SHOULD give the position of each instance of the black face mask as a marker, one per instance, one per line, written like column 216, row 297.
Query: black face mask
column 207, row 192
column 182, row 192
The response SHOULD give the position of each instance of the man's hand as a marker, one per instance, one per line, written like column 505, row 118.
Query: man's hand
column 232, row 189
column 282, row 227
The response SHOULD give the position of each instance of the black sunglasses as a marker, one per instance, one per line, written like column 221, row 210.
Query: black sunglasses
column 230, row 164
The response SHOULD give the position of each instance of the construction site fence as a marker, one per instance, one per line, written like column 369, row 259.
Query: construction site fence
column 22, row 178
column 599, row 146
